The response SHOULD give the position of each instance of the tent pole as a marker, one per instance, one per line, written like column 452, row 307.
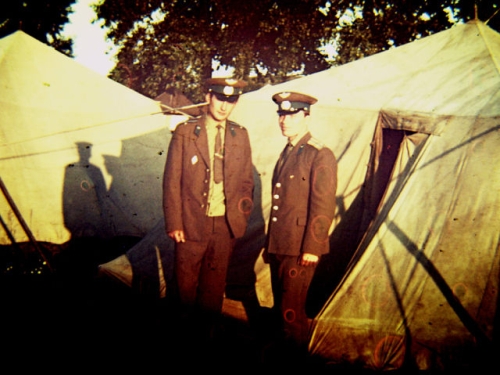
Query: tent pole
column 23, row 223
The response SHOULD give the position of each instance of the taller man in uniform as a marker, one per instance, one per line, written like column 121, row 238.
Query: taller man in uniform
column 207, row 197
column 304, row 185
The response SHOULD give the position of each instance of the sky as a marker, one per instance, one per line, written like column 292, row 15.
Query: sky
column 89, row 43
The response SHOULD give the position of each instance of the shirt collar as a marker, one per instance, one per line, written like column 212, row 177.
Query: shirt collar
column 297, row 139
column 212, row 124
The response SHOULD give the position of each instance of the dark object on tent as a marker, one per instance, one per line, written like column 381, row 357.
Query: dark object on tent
column 173, row 102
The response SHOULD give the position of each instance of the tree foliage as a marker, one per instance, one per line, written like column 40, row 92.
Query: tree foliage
column 172, row 44
column 383, row 24
column 43, row 20
column 268, row 39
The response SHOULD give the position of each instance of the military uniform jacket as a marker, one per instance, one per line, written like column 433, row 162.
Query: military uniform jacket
column 188, row 173
column 303, row 200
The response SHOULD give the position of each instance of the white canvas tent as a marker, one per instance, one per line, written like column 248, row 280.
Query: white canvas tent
column 416, row 130
column 413, row 274
column 80, row 155
column 422, row 289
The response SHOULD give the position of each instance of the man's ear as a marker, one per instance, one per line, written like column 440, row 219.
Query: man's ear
column 207, row 97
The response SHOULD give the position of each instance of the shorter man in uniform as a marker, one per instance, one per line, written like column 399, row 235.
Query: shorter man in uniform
column 304, row 185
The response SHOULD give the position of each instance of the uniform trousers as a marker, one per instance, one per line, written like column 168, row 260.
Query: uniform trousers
column 201, row 267
column 290, row 284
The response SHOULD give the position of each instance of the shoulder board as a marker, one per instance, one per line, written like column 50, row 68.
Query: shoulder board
column 192, row 120
column 235, row 125
column 315, row 143
column 187, row 122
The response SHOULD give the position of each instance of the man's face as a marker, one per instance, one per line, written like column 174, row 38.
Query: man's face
column 293, row 124
column 219, row 106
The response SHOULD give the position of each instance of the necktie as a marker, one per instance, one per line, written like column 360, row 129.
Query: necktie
column 218, row 157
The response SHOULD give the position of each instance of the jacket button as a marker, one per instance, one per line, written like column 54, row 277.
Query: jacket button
column 276, row 196
column 275, row 208
column 274, row 219
column 278, row 184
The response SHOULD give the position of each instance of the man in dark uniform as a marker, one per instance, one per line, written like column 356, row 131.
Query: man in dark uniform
column 208, row 197
column 303, row 207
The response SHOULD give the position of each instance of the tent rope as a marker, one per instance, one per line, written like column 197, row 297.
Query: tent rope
column 23, row 223
column 181, row 110
column 493, row 15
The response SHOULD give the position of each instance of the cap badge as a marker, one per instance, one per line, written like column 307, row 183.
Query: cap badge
column 286, row 105
column 228, row 90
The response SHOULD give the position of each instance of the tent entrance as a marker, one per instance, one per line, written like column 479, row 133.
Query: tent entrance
column 396, row 145
column 391, row 141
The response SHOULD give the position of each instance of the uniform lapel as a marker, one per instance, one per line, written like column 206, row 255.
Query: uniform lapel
column 229, row 140
column 201, row 142
column 291, row 159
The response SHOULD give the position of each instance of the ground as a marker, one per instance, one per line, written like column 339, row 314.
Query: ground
column 71, row 319
column 68, row 317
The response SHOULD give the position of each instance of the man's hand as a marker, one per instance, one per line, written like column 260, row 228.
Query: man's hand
column 177, row 235
column 308, row 259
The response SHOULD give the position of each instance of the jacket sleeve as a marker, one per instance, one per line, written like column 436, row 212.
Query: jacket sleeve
column 239, row 182
column 321, row 203
column 172, row 179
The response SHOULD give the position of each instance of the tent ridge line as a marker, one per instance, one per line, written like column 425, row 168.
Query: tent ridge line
column 82, row 129
column 488, row 47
